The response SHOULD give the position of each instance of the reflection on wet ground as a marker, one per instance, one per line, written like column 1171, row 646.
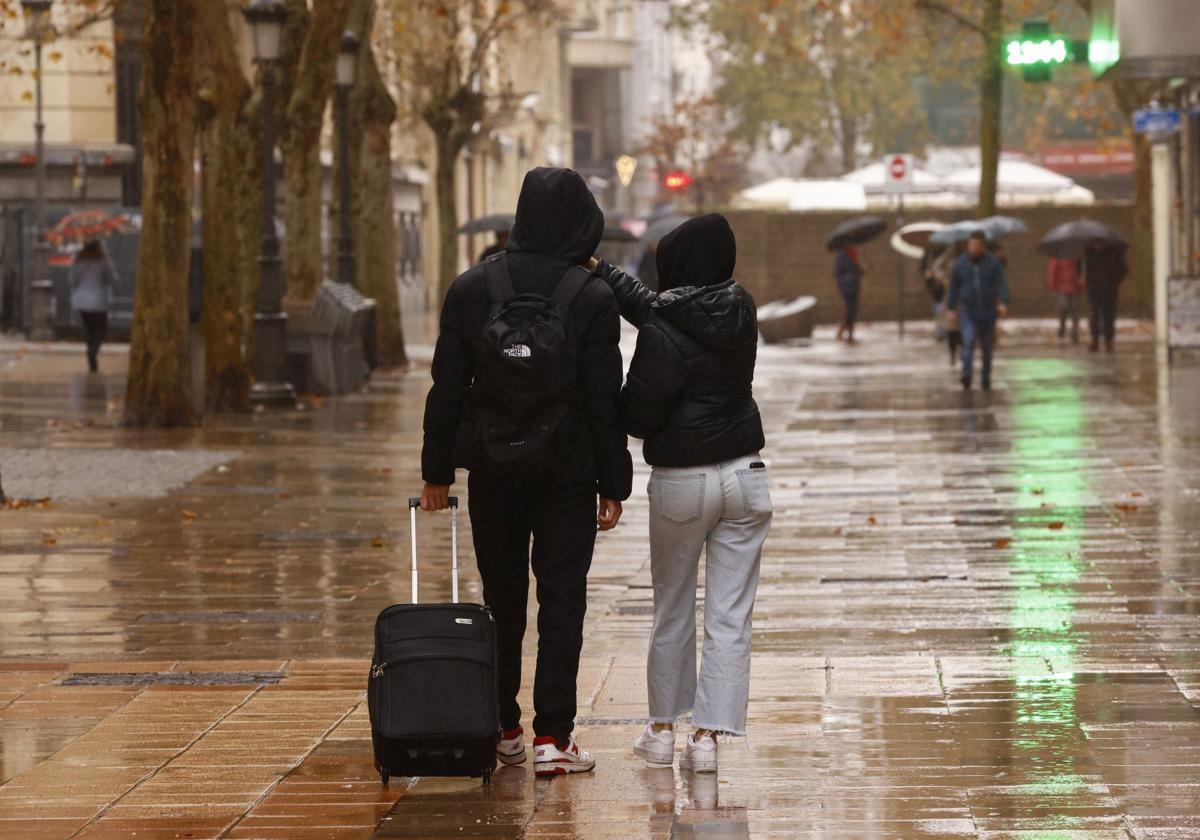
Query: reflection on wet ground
column 979, row 617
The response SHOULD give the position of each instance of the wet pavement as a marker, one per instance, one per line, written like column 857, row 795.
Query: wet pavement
column 979, row 614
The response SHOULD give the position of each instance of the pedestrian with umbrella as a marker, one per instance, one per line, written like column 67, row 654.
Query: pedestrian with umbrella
column 1065, row 281
column 498, row 224
column 1104, row 268
column 1101, row 250
column 848, row 270
column 91, row 278
column 978, row 297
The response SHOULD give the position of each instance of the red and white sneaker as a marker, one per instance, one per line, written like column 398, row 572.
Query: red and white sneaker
column 550, row 758
column 511, row 749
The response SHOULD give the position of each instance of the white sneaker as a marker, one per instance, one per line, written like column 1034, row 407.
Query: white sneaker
column 511, row 750
column 656, row 747
column 699, row 756
column 549, row 760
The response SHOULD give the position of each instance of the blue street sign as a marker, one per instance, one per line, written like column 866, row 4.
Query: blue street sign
column 1156, row 121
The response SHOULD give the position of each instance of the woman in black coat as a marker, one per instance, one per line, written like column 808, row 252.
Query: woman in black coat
column 689, row 397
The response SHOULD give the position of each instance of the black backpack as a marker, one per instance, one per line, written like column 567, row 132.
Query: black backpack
column 526, row 374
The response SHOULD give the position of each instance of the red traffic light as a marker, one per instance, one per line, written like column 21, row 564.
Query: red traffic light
column 677, row 180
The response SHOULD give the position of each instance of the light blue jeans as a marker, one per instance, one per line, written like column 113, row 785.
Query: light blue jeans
column 723, row 510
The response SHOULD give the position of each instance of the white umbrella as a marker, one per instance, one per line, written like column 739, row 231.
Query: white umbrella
column 900, row 244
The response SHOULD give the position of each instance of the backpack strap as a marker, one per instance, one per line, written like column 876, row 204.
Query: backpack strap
column 499, row 285
column 569, row 287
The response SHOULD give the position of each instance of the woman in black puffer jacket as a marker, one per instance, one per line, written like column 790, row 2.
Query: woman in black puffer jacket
column 688, row 396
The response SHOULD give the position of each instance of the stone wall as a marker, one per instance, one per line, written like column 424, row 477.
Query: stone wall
column 782, row 255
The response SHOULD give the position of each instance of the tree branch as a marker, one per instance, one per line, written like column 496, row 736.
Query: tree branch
column 941, row 9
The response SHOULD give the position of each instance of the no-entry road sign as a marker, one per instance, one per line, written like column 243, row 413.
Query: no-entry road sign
column 897, row 171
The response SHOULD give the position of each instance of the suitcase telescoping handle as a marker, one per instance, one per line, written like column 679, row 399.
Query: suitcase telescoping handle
column 413, row 504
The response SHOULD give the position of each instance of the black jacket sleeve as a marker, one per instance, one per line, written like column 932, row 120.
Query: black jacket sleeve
column 657, row 376
column 633, row 298
column 600, row 378
column 452, row 372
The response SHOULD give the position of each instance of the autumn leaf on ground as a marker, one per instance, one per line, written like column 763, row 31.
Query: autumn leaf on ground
column 283, row 495
column 378, row 542
column 49, row 539
column 43, row 503
column 1038, row 491
column 1003, row 542
column 1136, row 493
column 101, row 522
column 1055, row 526
column 1126, row 507
column 189, row 515
column 870, row 520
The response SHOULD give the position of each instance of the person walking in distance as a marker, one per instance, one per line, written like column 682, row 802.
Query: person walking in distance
column 978, row 297
column 1065, row 282
column 848, row 273
column 689, row 397
column 91, row 279
column 1104, row 268
column 526, row 380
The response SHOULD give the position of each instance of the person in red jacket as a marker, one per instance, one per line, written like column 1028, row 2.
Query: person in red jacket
column 1064, row 280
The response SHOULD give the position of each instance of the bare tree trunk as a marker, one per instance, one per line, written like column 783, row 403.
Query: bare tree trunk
column 849, row 137
column 223, row 96
column 375, row 219
column 371, row 114
column 991, row 102
column 248, row 209
column 447, row 213
column 1139, row 291
column 159, row 389
column 311, row 83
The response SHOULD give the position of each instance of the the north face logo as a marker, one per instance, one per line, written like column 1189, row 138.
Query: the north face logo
column 518, row 351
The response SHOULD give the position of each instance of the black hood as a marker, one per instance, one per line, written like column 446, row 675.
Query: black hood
column 721, row 317
column 556, row 216
column 700, row 252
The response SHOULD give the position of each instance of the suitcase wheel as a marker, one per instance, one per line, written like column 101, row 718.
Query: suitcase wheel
column 487, row 776
column 384, row 775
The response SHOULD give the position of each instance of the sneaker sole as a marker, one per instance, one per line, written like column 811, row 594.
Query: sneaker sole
column 698, row 767
column 546, row 768
column 511, row 760
column 657, row 759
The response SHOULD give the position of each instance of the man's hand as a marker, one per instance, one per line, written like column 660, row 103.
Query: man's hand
column 952, row 318
column 608, row 515
column 592, row 264
column 1001, row 310
column 435, row 496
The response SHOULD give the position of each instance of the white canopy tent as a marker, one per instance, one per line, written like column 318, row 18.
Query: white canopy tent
column 800, row 194
column 873, row 179
column 1020, row 182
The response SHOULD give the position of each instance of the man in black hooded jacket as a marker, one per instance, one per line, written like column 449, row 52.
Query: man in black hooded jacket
column 558, row 225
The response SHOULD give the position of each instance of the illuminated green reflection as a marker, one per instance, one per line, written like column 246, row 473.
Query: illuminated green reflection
column 1050, row 453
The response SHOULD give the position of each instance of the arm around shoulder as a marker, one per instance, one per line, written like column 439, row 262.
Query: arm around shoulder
column 633, row 298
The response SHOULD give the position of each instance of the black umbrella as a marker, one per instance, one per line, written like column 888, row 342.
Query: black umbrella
column 660, row 227
column 496, row 223
column 856, row 231
column 1071, row 239
column 616, row 233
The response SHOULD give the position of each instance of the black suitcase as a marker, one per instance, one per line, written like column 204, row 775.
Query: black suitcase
column 432, row 689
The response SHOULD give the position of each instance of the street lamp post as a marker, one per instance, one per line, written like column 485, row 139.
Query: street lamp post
column 41, row 297
column 347, row 67
column 266, row 19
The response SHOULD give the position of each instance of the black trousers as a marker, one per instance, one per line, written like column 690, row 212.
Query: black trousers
column 1103, row 318
column 95, row 327
column 561, row 519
